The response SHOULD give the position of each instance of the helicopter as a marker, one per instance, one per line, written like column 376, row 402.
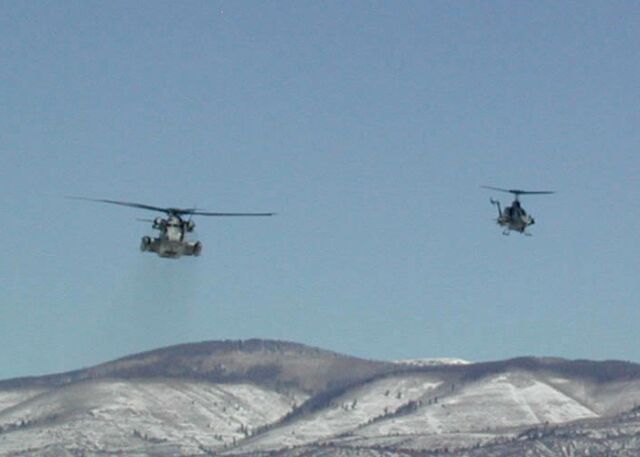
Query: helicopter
column 514, row 217
column 172, row 240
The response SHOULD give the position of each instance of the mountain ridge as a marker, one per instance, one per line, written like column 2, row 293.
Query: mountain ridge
column 255, row 397
column 144, row 363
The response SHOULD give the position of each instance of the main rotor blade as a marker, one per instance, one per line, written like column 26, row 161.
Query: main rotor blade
column 520, row 192
column 171, row 211
column 495, row 188
column 203, row 213
column 130, row 204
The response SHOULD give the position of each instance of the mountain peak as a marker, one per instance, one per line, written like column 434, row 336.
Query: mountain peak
column 265, row 362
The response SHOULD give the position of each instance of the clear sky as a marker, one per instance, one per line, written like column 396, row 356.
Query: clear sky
column 369, row 127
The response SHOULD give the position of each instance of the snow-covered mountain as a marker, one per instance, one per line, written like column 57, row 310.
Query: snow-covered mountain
column 256, row 397
column 431, row 362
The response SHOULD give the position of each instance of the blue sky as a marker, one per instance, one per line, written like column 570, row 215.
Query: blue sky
column 369, row 127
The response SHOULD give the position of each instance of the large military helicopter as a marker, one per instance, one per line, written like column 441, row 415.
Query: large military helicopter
column 514, row 217
column 172, row 241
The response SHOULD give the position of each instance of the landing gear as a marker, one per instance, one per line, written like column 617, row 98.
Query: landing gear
column 145, row 244
column 197, row 248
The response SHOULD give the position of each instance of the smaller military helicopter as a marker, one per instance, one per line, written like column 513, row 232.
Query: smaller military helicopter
column 514, row 217
column 172, row 241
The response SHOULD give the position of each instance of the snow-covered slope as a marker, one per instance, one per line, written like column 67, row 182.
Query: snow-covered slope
column 345, row 413
column 419, row 411
column 609, row 437
column 476, row 412
column 11, row 397
column 506, row 400
column 125, row 415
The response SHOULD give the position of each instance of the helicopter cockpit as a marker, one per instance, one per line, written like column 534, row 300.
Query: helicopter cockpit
column 173, row 229
column 515, row 209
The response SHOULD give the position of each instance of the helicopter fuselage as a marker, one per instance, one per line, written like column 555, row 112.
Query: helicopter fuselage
column 171, row 242
column 513, row 217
